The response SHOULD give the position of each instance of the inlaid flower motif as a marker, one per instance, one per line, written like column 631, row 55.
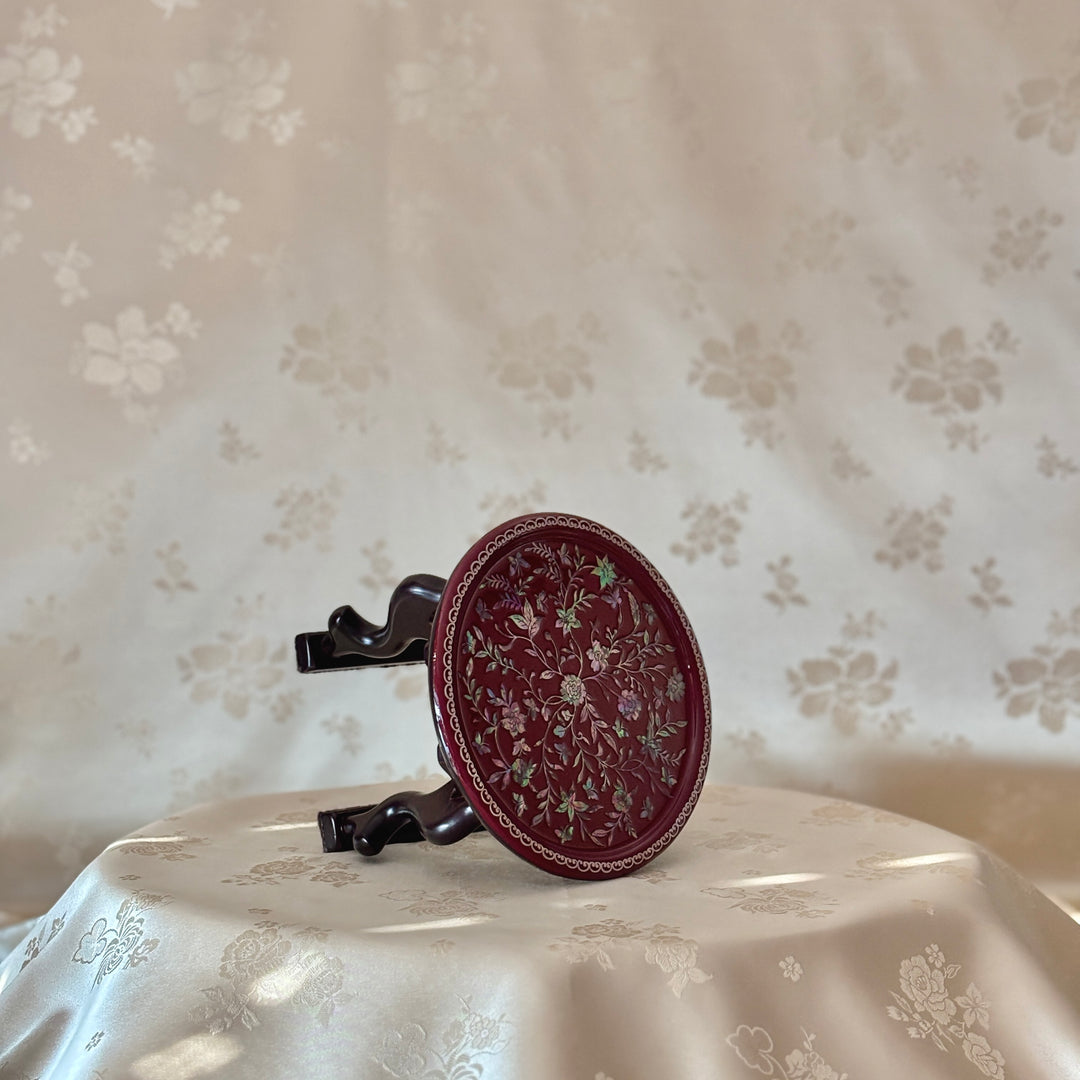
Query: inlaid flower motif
column 676, row 686
column 572, row 690
column 598, row 656
column 629, row 705
column 513, row 719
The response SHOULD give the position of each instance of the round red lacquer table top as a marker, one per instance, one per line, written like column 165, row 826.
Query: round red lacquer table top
column 569, row 696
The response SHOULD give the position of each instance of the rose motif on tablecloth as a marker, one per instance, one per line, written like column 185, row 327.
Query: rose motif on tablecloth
column 927, row 1005
column 253, row 954
column 925, row 987
column 572, row 699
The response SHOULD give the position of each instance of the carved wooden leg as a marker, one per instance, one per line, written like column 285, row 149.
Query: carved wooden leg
column 440, row 817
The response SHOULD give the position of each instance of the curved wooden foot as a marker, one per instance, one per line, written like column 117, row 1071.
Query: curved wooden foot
column 440, row 817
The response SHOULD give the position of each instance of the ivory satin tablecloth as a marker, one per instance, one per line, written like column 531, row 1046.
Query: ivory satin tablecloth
column 783, row 935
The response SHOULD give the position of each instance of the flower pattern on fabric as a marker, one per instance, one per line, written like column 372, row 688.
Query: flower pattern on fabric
column 753, row 374
column 447, row 904
column 36, row 84
column 1048, row 106
column 37, row 942
column 198, row 229
column 24, row 448
column 1053, row 464
column 742, row 840
column 954, row 379
column 713, row 528
column 662, row 946
column 848, row 684
column 291, row 867
column 776, row 900
column 577, row 703
column 68, row 266
column 12, row 204
column 926, row 1003
column 865, row 112
column 1047, row 681
column 121, row 941
column 171, row 850
column 791, row 968
column 546, row 367
column 916, row 536
column 240, row 669
column 340, row 362
column 1019, row 242
column 410, row 1053
column 133, row 359
column 449, row 90
column 755, row 1048
column 264, row 967
column 241, row 90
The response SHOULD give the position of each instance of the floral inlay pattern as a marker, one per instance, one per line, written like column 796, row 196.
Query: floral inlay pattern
column 576, row 702
column 927, row 1005
column 662, row 946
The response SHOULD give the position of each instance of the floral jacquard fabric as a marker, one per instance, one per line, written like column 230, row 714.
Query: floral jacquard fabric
column 300, row 299
column 260, row 957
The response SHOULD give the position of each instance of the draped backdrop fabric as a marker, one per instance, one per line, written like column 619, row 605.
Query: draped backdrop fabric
column 300, row 299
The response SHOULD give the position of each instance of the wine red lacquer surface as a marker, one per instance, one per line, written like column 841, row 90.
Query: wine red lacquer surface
column 570, row 696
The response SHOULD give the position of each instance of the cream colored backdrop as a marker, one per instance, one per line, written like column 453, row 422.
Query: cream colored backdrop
column 298, row 299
